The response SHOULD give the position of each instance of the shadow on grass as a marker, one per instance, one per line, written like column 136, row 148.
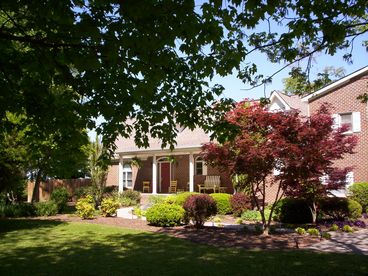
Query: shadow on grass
column 73, row 248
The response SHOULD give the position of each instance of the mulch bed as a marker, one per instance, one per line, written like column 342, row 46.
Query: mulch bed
column 221, row 237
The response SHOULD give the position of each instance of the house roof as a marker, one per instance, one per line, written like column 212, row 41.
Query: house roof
column 185, row 139
column 290, row 101
column 329, row 88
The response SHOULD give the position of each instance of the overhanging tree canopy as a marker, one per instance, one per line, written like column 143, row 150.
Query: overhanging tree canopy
column 150, row 60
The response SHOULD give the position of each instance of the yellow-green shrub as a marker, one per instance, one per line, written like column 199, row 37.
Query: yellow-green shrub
column 85, row 207
column 109, row 206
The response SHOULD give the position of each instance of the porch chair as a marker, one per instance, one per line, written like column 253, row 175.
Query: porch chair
column 173, row 186
column 212, row 182
column 146, row 186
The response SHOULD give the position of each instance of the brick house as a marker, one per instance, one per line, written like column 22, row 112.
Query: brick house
column 160, row 166
column 184, row 164
column 342, row 95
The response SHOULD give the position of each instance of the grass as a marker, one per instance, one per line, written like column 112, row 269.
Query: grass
column 33, row 247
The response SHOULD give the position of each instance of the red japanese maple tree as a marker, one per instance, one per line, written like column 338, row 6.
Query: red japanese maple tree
column 301, row 149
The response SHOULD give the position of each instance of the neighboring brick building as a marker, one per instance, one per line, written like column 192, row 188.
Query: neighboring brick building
column 189, row 170
column 347, row 109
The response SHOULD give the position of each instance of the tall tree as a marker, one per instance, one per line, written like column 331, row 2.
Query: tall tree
column 299, row 84
column 149, row 60
column 301, row 149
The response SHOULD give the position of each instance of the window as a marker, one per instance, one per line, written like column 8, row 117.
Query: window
column 127, row 176
column 351, row 119
column 200, row 166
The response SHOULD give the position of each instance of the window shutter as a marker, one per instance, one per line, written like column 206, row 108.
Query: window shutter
column 336, row 121
column 204, row 169
column 356, row 121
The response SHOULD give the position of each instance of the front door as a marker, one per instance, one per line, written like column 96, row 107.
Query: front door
column 164, row 177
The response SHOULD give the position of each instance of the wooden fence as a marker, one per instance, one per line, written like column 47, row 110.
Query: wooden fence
column 48, row 186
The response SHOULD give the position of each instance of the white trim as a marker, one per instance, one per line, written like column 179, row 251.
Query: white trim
column 334, row 85
column 191, row 173
column 276, row 94
column 120, row 175
column 176, row 151
column 356, row 122
column 154, row 175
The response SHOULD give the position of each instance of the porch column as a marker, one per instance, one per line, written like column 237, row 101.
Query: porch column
column 120, row 174
column 154, row 175
column 191, row 173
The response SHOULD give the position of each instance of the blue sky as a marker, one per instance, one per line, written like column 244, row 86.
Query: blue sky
column 234, row 87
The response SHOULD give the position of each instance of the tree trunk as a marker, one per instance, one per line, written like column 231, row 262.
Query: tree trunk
column 36, row 189
column 313, row 209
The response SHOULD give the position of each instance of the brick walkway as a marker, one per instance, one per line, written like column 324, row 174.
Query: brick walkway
column 356, row 243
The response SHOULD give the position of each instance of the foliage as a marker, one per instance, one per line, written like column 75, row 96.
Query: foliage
column 139, row 212
column 298, row 81
column 326, row 235
column 16, row 210
column 129, row 198
column 165, row 214
column 313, row 232
column 359, row 192
column 239, row 221
column 46, row 208
column 84, row 191
column 98, row 169
column 300, row 231
column 60, row 196
column 222, row 203
column 347, row 228
column 85, row 207
column 255, row 215
column 300, row 148
column 179, row 198
column 199, row 208
column 292, row 210
column 177, row 56
column 334, row 227
column 340, row 208
column 155, row 199
column 109, row 206
column 239, row 202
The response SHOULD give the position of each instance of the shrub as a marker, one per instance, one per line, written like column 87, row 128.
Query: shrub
column 155, row 199
column 47, row 208
column 199, row 208
column 239, row 221
column 85, row 207
column 83, row 192
column 133, row 195
column 179, row 199
column 340, row 208
column 347, row 229
column 326, row 235
column 254, row 215
column 300, row 231
column 165, row 214
column 334, row 227
column 126, row 202
column 60, row 196
column 239, row 203
column 313, row 232
column 359, row 193
column 292, row 210
column 109, row 206
column 222, row 203
column 139, row 212
column 17, row 210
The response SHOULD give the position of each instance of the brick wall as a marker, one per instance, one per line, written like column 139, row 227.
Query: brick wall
column 344, row 100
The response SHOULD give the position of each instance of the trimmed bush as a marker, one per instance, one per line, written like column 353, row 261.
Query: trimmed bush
column 17, row 210
column 239, row 203
column 165, row 214
column 60, row 196
column 347, row 228
column 85, row 207
column 334, row 227
column 359, row 193
column 47, row 208
column 292, row 210
column 179, row 199
column 300, row 231
column 255, row 215
column 109, row 206
column 340, row 208
column 313, row 232
column 222, row 203
column 129, row 198
column 199, row 208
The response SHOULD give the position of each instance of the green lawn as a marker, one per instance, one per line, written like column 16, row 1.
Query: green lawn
column 30, row 247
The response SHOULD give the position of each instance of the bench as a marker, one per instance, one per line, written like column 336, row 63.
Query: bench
column 212, row 182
